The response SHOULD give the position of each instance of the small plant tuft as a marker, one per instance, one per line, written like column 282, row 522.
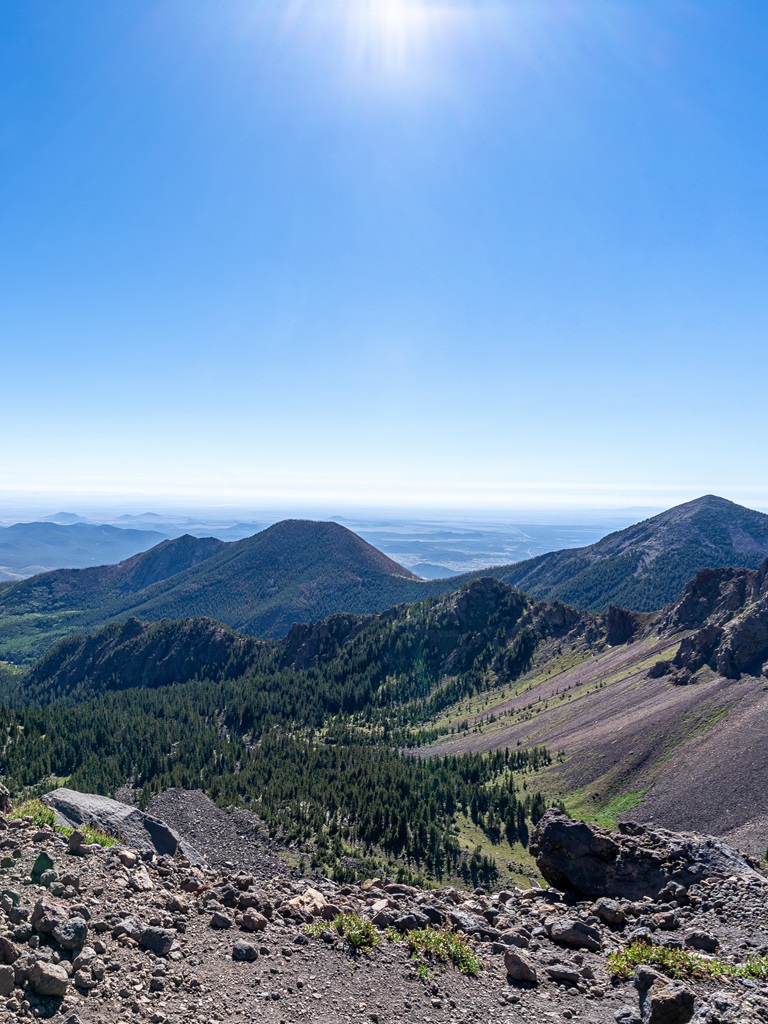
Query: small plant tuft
column 36, row 811
column 443, row 946
column 359, row 932
column 679, row 963
column 41, row 814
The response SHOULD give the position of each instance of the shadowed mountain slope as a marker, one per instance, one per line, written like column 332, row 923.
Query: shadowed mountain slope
column 81, row 589
column 294, row 571
column 132, row 654
column 400, row 655
column 646, row 566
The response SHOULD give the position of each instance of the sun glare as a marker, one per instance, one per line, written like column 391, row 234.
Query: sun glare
column 391, row 35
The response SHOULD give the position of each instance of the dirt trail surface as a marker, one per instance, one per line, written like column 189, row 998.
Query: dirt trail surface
column 106, row 936
column 240, row 838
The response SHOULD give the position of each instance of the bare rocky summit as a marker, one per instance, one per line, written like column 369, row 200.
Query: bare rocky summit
column 90, row 935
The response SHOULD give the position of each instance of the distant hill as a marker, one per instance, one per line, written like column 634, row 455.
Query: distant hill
column 36, row 612
column 294, row 571
column 302, row 571
column 64, row 518
column 646, row 566
column 81, row 589
column 73, row 545
column 430, row 571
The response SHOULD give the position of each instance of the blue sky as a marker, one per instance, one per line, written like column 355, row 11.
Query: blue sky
column 385, row 251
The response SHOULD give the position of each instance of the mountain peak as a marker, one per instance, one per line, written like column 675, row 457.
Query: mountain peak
column 646, row 565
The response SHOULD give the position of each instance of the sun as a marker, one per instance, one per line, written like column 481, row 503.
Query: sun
column 390, row 34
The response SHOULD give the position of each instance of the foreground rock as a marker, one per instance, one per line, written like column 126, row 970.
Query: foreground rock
column 638, row 862
column 95, row 943
column 141, row 831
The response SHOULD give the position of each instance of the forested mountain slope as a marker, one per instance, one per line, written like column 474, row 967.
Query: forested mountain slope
column 600, row 712
column 295, row 571
column 306, row 730
column 300, row 571
column 35, row 613
column 646, row 566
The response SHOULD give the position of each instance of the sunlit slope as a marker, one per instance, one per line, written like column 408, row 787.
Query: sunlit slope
column 646, row 566
column 672, row 726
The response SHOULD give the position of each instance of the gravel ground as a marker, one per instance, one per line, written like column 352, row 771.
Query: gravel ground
column 125, row 938
column 237, row 840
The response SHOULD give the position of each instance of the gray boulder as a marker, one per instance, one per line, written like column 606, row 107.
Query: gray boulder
column 633, row 863
column 573, row 933
column 519, row 967
column 48, row 979
column 131, row 826
column 157, row 940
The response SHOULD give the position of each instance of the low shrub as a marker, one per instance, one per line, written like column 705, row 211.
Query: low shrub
column 443, row 946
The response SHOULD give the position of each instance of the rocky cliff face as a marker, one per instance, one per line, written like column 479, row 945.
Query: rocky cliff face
column 728, row 611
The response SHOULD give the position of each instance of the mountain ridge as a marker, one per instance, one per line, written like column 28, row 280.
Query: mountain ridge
column 645, row 566
column 300, row 571
column 70, row 545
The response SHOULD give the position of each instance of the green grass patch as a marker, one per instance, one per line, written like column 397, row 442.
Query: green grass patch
column 679, row 963
column 472, row 838
column 606, row 817
column 41, row 814
column 441, row 947
column 359, row 932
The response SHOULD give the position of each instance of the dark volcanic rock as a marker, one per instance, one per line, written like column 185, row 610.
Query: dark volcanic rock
column 638, row 862
column 728, row 608
column 621, row 625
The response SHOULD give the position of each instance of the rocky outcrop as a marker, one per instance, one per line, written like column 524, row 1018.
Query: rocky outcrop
column 133, row 827
column 714, row 595
column 621, row 625
column 727, row 611
column 635, row 863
